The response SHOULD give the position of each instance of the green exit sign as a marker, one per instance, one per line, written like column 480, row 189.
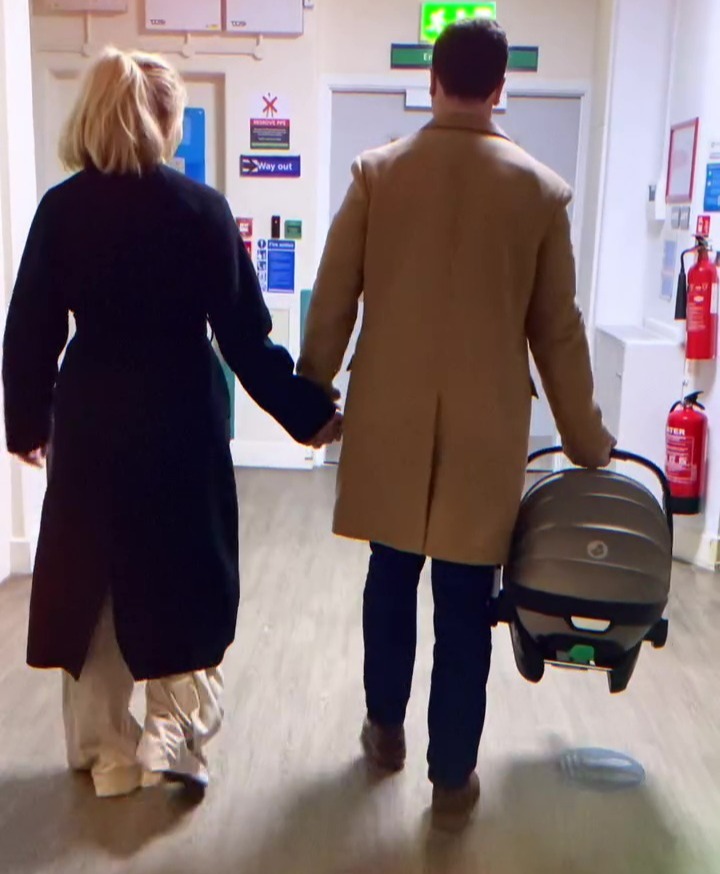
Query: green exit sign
column 523, row 59
column 437, row 16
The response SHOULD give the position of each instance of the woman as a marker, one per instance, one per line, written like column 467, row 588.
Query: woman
column 136, row 575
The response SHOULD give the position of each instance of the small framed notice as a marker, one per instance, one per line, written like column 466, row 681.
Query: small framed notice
column 681, row 161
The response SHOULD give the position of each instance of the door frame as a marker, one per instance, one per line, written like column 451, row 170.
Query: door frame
column 517, row 86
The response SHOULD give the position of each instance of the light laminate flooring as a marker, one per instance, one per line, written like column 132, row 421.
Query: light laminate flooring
column 289, row 793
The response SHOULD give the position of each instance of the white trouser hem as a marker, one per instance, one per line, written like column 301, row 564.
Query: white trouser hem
column 184, row 712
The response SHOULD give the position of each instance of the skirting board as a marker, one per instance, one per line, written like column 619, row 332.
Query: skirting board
column 701, row 549
column 271, row 455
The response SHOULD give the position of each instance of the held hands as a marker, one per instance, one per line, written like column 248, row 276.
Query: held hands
column 34, row 458
column 331, row 433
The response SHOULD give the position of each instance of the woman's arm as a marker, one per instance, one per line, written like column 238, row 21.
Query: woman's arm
column 35, row 335
column 242, row 324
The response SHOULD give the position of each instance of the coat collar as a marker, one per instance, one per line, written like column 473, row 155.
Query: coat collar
column 465, row 121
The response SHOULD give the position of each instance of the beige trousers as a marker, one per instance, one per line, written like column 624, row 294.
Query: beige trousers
column 183, row 713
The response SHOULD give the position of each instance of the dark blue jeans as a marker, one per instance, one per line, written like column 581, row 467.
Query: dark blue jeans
column 463, row 648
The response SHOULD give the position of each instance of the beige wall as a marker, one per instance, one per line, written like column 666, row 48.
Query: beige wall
column 288, row 69
column 356, row 34
column 343, row 38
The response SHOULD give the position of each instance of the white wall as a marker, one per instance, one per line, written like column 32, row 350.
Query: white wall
column 20, row 490
column 665, row 69
column 602, row 54
column 643, row 32
column 693, row 93
column 5, row 487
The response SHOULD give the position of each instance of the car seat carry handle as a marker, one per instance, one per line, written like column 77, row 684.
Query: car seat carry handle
column 631, row 458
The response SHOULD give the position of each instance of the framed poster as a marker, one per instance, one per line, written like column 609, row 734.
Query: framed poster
column 681, row 161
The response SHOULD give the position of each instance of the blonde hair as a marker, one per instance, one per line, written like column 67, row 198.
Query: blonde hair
column 129, row 116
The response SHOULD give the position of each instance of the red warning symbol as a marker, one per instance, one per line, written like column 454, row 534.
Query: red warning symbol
column 270, row 109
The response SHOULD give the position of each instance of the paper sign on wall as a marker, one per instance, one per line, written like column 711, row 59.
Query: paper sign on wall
column 712, row 188
column 276, row 266
column 703, row 226
column 270, row 105
column 270, row 166
column 668, row 270
column 270, row 133
column 190, row 157
column 293, row 229
column 245, row 226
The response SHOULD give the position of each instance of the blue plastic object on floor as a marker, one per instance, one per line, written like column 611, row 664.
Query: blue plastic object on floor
column 605, row 770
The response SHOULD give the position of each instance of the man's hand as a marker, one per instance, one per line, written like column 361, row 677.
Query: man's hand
column 35, row 458
column 331, row 433
column 596, row 458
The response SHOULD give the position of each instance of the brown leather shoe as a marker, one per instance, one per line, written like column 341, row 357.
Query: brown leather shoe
column 453, row 808
column 384, row 746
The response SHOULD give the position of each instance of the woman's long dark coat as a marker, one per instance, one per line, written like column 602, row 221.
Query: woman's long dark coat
column 141, row 500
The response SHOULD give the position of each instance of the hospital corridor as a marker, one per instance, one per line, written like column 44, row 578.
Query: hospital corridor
column 359, row 478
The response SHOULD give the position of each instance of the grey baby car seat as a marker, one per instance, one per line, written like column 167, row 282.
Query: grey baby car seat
column 588, row 579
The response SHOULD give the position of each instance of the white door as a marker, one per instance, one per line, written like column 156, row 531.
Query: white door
column 547, row 127
column 55, row 99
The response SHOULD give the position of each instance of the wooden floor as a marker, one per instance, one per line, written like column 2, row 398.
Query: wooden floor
column 290, row 795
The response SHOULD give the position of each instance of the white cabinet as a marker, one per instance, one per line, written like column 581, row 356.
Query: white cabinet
column 183, row 15
column 638, row 375
column 267, row 17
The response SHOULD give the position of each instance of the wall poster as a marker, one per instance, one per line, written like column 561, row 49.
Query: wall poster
column 681, row 161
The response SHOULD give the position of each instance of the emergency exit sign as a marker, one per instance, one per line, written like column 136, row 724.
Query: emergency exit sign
column 523, row 59
column 437, row 16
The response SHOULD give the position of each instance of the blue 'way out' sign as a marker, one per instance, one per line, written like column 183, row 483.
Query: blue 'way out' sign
column 269, row 166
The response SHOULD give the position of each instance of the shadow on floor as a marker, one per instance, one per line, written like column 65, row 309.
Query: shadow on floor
column 45, row 817
column 533, row 822
column 540, row 823
column 315, row 825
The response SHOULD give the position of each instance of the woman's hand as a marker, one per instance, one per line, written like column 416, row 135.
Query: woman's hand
column 35, row 458
column 331, row 433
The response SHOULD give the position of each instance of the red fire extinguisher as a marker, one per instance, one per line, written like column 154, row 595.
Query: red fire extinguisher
column 702, row 306
column 685, row 456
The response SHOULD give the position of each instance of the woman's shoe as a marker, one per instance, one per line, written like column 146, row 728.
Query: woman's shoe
column 384, row 746
column 188, row 770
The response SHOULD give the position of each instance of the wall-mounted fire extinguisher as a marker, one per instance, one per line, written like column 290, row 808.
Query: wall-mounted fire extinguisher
column 686, row 454
column 697, row 302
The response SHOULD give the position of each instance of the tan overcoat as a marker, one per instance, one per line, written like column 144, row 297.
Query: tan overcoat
column 460, row 243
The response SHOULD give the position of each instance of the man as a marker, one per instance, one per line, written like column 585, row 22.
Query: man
column 460, row 243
